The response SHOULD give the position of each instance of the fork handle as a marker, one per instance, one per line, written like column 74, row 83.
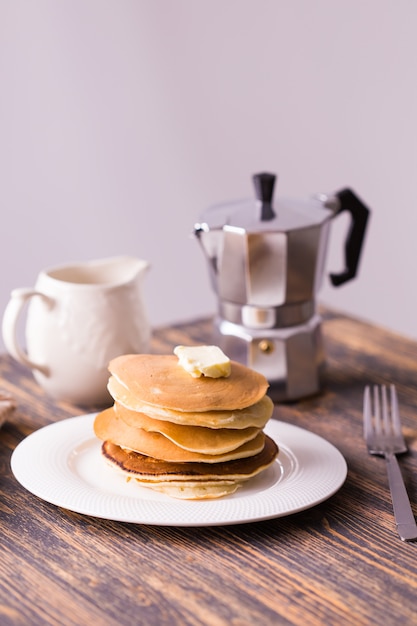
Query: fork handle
column 404, row 518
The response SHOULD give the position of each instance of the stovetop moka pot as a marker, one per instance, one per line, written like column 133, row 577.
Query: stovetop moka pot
column 266, row 261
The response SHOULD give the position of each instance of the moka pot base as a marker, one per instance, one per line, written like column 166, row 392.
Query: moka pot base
column 291, row 358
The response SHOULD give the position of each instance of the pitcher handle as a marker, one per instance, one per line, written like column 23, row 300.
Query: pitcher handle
column 18, row 299
column 348, row 201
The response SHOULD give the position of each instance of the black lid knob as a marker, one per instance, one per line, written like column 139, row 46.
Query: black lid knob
column 264, row 189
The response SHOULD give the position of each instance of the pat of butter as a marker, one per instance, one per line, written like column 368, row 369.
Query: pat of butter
column 207, row 361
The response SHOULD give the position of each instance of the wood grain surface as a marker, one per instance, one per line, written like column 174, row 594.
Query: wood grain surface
column 340, row 562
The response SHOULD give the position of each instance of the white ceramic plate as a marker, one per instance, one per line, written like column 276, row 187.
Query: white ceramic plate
column 62, row 464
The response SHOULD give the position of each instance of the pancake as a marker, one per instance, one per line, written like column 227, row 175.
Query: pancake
column 198, row 490
column 194, row 438
column 151, row 469
column 186, row 436
column 108, row 426
column 255, row 415
column 159, row 380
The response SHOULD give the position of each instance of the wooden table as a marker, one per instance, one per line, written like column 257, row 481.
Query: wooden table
column 339, row 562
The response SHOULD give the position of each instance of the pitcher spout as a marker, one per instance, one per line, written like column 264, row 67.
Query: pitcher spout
column 119, row 270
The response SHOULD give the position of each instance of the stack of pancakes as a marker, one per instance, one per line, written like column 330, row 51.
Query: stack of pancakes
column 190, row 438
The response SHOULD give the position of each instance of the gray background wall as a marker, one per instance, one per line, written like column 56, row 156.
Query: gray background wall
column 120, row 120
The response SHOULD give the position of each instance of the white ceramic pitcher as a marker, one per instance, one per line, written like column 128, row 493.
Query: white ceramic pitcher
column 79, row 317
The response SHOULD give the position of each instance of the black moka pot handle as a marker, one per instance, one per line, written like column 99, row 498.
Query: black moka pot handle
column 355, row 237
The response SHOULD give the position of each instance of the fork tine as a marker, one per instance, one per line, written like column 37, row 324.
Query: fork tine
column 367, row 426
column 377, row 410
column 385, row 414
column 396, row 424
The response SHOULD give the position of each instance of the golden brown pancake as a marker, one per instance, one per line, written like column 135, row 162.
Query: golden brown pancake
column 149, row 469
column 194, row 490
column 194, row 438
column 160, row 381
column 109, row 427
column 255, row 415
column 190, row 438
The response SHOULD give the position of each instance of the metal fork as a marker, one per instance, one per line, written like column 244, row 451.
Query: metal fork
column 383, row 436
